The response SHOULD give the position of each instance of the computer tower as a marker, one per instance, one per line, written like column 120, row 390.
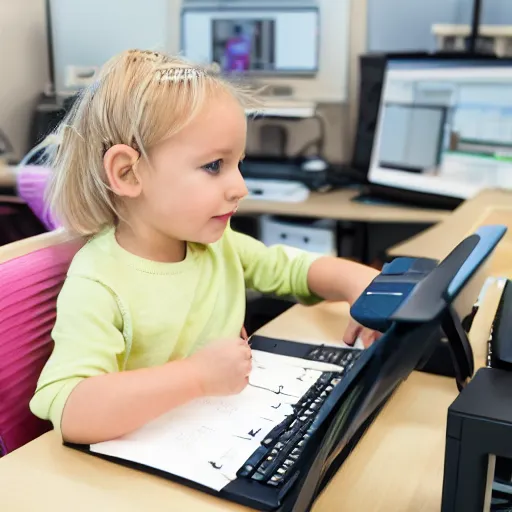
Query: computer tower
column 47, row 115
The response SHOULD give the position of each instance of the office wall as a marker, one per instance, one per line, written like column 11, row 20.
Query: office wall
column 398, row 25
column 25, row 74
column 24, row 65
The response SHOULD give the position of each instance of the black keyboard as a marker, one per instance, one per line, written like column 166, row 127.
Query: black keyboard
column 274, row 461
column 335, row 355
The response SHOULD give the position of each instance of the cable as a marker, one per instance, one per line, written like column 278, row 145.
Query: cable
column 506, row 506
column 46, row 142
column 501, row 495
column 5, row 143
column 319, row 141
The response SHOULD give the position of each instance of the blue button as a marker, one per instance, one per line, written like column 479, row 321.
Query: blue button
column 397, row 267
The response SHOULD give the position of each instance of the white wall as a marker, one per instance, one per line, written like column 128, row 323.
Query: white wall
column 24, row 65
column 387, row 19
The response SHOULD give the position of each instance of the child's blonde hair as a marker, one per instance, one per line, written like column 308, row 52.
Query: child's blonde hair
column 140, row 98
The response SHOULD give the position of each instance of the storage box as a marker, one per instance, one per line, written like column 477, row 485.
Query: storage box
column 314, row 235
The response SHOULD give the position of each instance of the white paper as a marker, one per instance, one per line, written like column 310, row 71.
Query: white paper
column 232, row 460
column 183, row 450
column 270, row 360
column 208, row 440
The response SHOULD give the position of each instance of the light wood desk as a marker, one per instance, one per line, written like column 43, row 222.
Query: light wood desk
column 489, row 207
column 397, row 466
column 7, row 177
column 339, row 205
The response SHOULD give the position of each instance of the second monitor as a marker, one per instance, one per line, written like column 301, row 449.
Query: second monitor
column 261, row 39
column 444, row 127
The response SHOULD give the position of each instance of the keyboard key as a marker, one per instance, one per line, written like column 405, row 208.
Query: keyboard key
column 259, row 476
column 253, row 462
column 276, row 480
column 280, row 450
column 277, row 431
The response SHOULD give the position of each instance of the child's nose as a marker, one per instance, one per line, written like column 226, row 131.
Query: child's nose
column 238, row 189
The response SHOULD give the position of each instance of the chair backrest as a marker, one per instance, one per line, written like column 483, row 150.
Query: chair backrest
column 32, row 181
column 32, row 272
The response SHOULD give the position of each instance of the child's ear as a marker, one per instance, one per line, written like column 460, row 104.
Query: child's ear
column 120, row 161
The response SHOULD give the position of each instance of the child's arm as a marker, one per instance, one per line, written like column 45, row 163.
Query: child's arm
column 86, row 394
column 286, row 271
column 338, row 279
column 111, row 405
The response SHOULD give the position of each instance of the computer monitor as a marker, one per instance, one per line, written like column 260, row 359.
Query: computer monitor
column 444, row 127
column 277, row 38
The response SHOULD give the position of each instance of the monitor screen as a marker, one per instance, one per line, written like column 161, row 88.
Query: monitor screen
column 444, row 126
column 252, row 41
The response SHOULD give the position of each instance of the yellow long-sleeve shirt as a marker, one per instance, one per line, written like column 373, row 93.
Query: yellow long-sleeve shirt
column 117, row 311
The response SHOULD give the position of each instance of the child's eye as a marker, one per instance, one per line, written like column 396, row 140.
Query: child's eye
column 213, row 167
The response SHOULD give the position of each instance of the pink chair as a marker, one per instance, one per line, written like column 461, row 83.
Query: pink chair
column 32, row 272
column 31, row 183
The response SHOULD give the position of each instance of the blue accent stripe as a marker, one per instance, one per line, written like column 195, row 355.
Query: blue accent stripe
column 489, row 238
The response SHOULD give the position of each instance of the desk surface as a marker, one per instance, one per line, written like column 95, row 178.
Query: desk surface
column 332, row 205
column 397, row 465
column 7, row 177
column 488, row 207
column 400, row 458
column 339, row 205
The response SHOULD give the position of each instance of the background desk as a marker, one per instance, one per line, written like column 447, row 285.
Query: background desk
column 489, row 207
column 336, row 205
column 339, row 205
column 7, row 177
column 364, row 231
column 397, row 466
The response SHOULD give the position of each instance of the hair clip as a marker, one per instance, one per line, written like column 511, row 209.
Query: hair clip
column 180, row 74
column 108, row 144
column 144, row 55
column 94, row 87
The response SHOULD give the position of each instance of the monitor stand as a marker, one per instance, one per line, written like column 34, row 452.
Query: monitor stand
column 460, row 347
column 389, row 196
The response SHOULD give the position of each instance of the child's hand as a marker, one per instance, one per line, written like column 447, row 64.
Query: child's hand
column 223, row 367
column 356, row 330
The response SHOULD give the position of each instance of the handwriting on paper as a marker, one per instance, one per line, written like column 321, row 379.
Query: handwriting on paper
column 207, row 440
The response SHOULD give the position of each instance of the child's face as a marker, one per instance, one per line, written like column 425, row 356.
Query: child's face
column 195, row 184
